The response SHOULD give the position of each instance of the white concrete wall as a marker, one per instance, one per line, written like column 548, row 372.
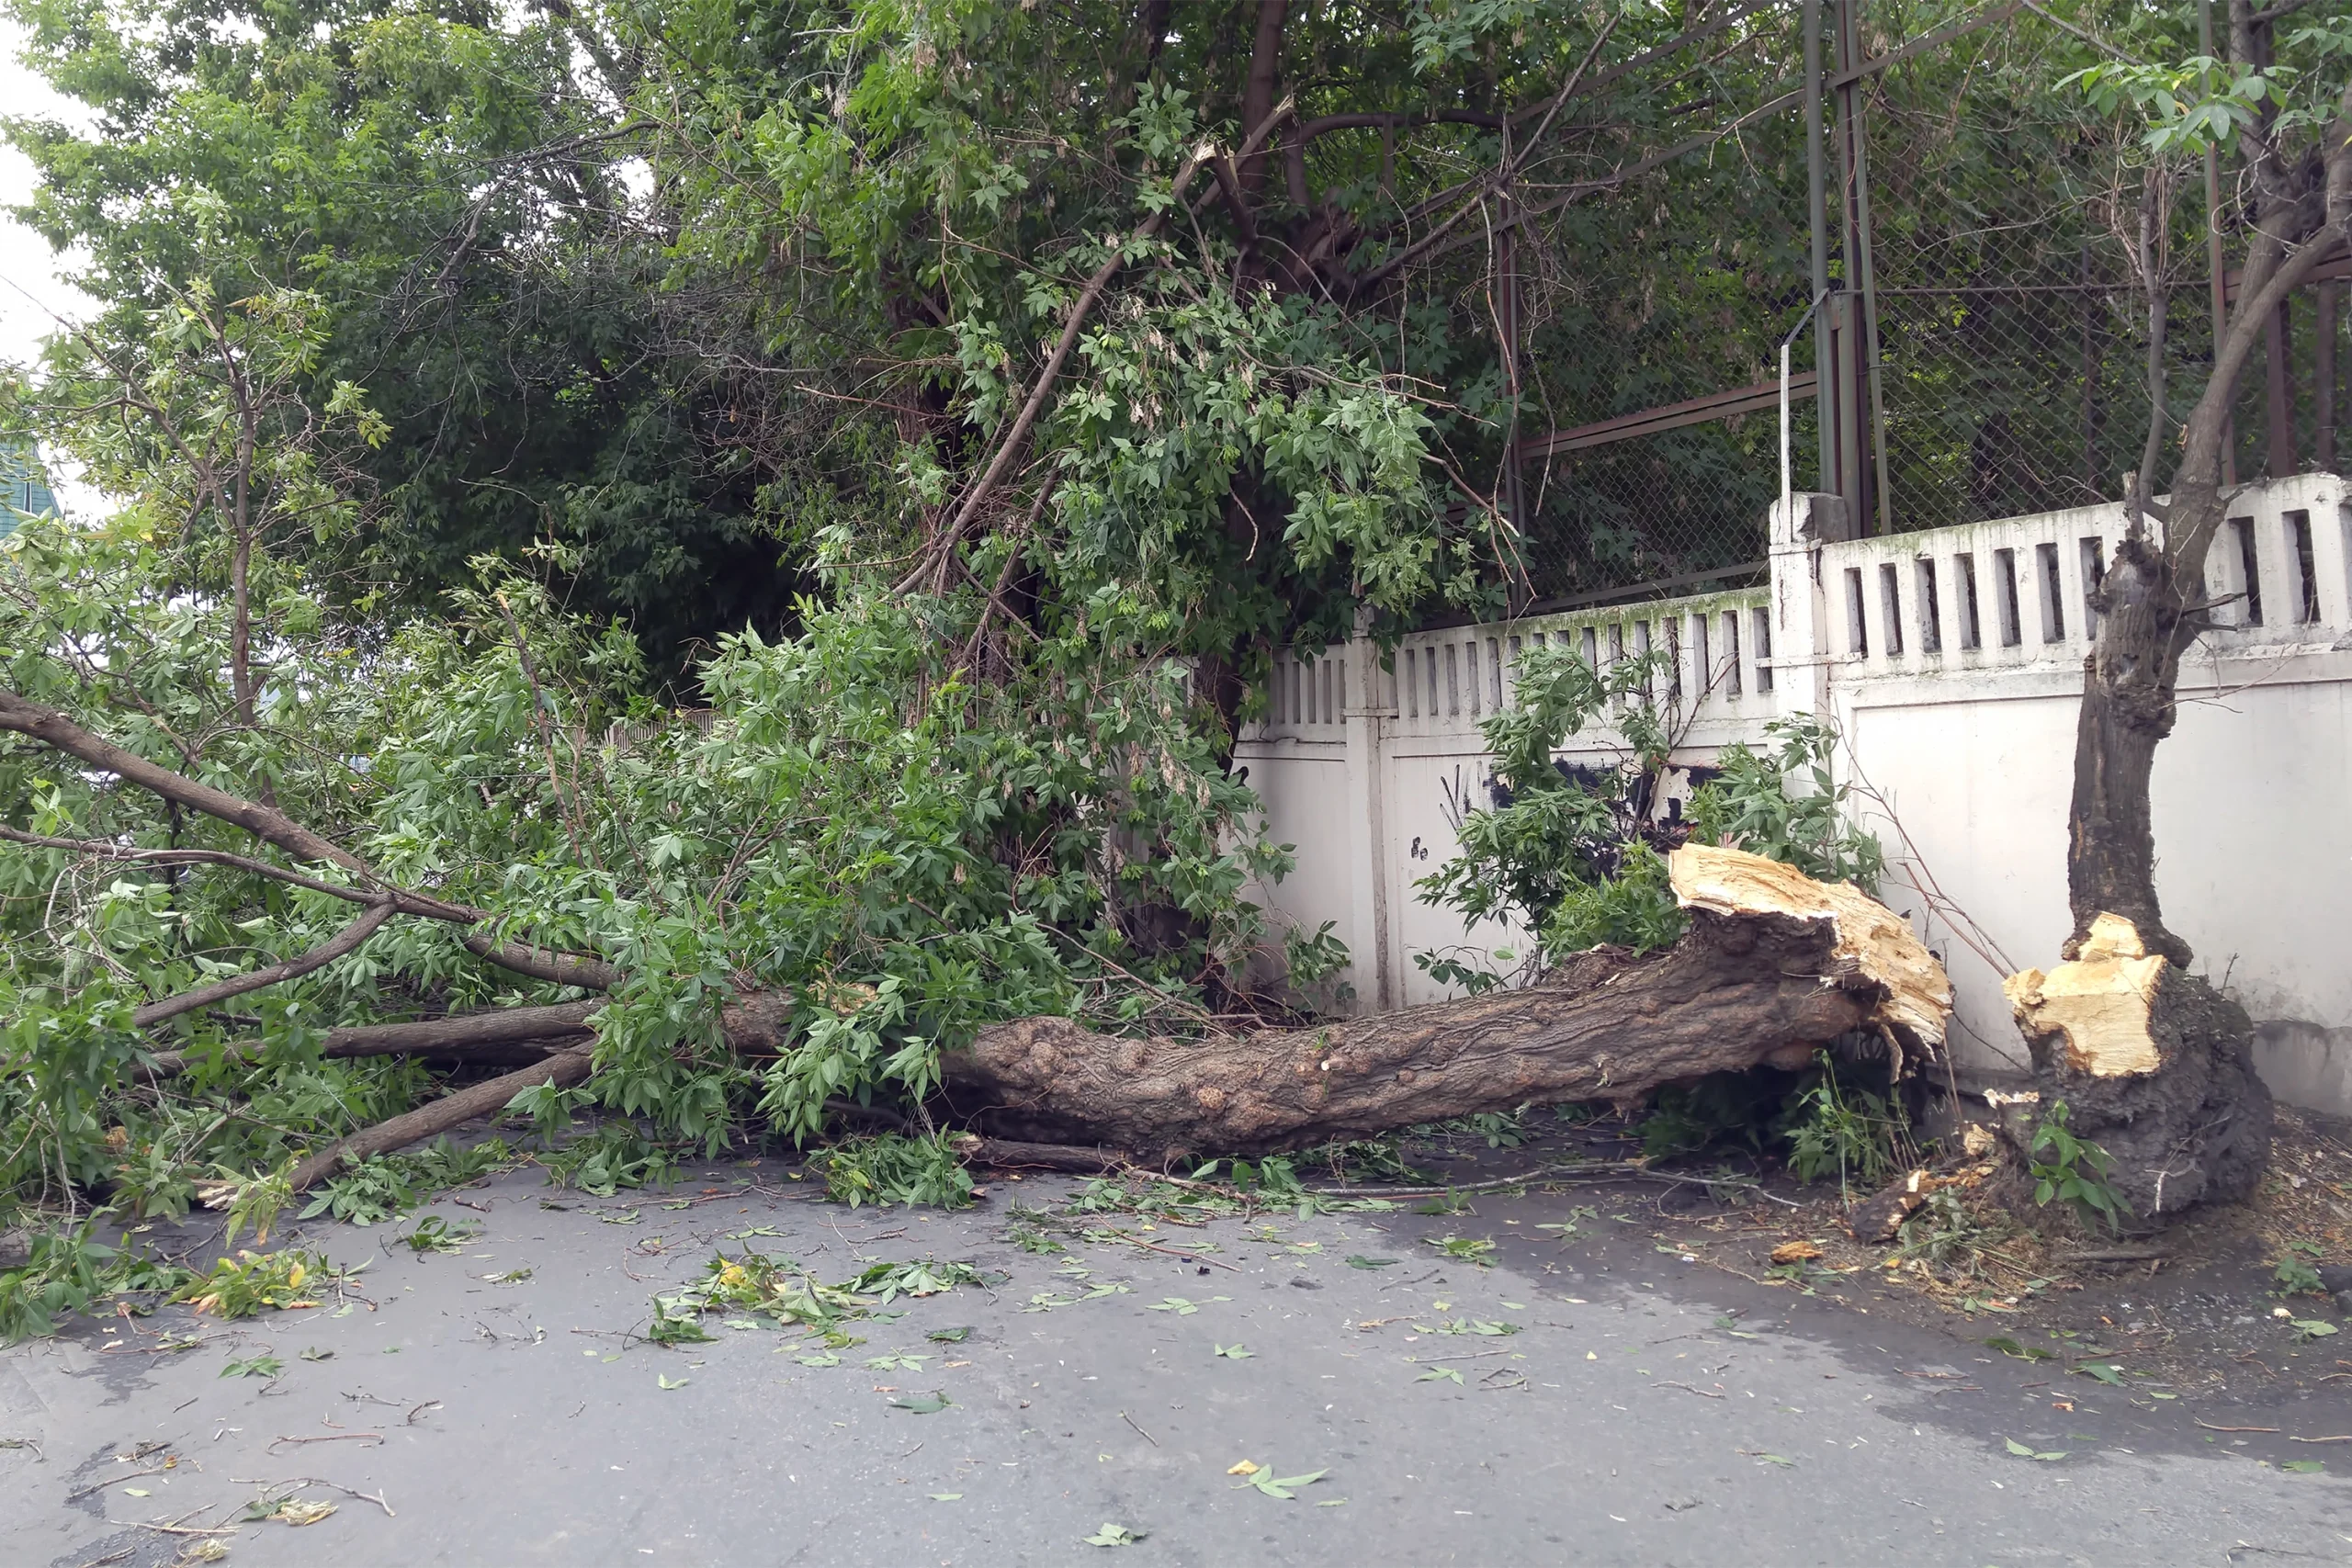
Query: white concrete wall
column 1959, row 725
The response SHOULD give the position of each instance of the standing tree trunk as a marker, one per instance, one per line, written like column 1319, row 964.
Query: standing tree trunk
column 2173, row 1095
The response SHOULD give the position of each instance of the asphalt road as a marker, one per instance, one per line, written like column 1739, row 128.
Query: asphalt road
column 1644, row 1409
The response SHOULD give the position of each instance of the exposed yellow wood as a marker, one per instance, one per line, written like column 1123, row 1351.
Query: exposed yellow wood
column 2097, row 1002
column 1873, row 939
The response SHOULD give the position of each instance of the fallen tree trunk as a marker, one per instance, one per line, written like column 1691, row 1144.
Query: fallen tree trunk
column 1773, row 967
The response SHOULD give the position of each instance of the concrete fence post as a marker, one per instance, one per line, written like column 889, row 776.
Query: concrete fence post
column 1365, row 709
column 1803, row 647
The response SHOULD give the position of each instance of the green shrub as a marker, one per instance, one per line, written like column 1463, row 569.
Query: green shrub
column 1577, row 856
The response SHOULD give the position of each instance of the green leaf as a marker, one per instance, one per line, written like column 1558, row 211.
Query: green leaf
column 949, row 1336
column 1434, row 1373
column 2105, row 1371
column 1234, row 1352
column 1284, row 1487
column 1358, row 1260
column 667, row 1382
column 922, row 1403
column 2303, row 1466
column 2008, row 1346
column 1114, row 1535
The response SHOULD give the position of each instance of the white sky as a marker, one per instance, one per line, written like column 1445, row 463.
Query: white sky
column 28, row 266
column 31, row 292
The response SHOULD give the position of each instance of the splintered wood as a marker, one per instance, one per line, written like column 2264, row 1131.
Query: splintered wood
column 2098, row 1003
column 1875, row 942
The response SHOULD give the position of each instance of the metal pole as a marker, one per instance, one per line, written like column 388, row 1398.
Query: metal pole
column 1514, row 496
column 2324, row 373
column 1874, row 421
column 1818, row 209
column 1845, row 320
column 1787, row 521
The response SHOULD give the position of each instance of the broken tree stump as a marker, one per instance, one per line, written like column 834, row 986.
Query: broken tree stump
column 2154, row 1065
column 1774, row 967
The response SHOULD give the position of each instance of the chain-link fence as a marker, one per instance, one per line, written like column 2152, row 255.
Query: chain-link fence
column 2013, row 325
column 1673, row 507
column 1988, row 226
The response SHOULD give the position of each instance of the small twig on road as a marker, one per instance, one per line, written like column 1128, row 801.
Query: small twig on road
column 1146, row 1437
column 174, row 1530
column 2210, row 1427
column 428, row 1405
column 298, row 1482
column 1187, row 1256
column 377, row 1437
column 2347, row 1437
column 115, row 1480
column 1686, row 1387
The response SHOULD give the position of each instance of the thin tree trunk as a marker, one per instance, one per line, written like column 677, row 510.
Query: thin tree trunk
column 2151, row 603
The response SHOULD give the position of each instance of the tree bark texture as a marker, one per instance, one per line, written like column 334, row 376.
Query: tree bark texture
column 2128, row 682
column 1743, row 987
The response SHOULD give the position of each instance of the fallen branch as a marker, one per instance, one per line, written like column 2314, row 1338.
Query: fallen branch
column 425, row 1037
column 543, row 963
column 117, row 1481
column 1003, row 1154
column 266, row 823
column 483, row 1099
column 272, row 826
column 298, row 1483
column 1073, row 323
column 345, row 940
